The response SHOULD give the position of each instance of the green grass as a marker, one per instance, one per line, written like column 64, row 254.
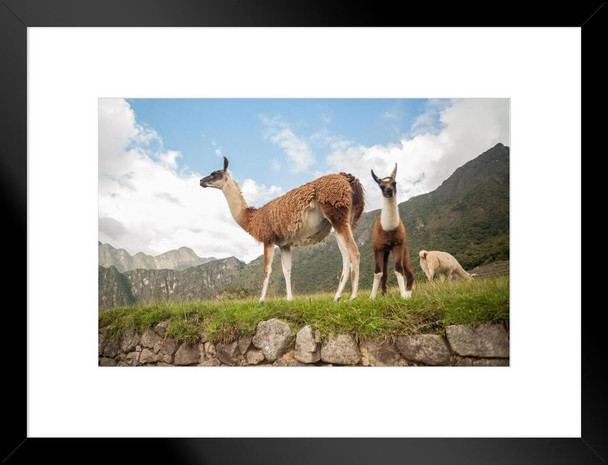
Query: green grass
column 430, row 310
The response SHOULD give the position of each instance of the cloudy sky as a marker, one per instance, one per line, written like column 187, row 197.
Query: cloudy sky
column 153, row 152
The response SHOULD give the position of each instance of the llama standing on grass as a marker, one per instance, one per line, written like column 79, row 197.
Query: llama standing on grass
column 302, row 216
column 389, row 234
column 442, row 263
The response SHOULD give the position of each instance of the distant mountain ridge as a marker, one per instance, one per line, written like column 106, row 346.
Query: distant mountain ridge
column 467, row 216
column 140, row 285
column 179, row 259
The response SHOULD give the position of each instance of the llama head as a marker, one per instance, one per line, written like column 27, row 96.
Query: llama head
column 217, row 178
column 387, row 185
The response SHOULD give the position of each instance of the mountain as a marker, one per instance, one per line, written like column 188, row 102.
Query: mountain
column 467, row 216
column 179, row 259
column 141, row 285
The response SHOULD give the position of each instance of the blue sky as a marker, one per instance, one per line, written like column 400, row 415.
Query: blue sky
column 199, row 128
column 153, row 152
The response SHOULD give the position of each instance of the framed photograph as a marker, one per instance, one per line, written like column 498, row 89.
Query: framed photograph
column 240, row 174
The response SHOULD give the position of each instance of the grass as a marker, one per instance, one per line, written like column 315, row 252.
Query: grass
column 430, row 309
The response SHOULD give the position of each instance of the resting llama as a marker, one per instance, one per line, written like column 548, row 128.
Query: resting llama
column 302, row 216
column 389, row 235
column 442, row 263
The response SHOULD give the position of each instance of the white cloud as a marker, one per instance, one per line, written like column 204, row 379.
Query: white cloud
column 147, row 205
column 389, row 115
column 445, row 137
column 299, row 154
column 256, row 194
column 275, row 165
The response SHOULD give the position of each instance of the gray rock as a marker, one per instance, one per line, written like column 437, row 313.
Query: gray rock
column 111, row 347
column 161, row 328
column 244, row 343
column 340, row 349
column 168, row 346
column 481, row 362
column 150, row 339
column 187, row 355
column 307, row 345
column 273, row 338
column 203, row 335
column 130, row 339
column 132, row 358
column 254, row 356
column 288, row 360
column 107, row 362
column 486, row 340
column 122, row 364
column 101, row 343
column 429, row 349
column 210, row 351
column 380, row 354
column 147, row 356
column 228, row 353
column 212, row 362
column 164, row 364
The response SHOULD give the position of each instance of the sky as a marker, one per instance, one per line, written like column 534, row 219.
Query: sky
column 153, row 152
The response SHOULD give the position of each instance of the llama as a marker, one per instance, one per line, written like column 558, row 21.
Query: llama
column 389, row 235
column 442, row 263
column 302, row 216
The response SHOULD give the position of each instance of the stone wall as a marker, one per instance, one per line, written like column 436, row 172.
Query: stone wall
column 274, row 344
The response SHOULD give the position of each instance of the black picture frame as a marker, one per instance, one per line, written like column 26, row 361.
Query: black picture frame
column 17, row 15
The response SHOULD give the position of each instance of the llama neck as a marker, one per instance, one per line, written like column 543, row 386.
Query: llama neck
column 389, row 218
column 236, row 203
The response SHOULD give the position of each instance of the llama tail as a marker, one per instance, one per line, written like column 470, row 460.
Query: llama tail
column 358, row 197
column 422, row 254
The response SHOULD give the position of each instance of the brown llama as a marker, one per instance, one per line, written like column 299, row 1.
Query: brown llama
column 389, row 235
column 443, row 264
column 302, row 216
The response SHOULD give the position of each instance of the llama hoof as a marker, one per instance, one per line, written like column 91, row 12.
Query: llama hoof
column 337, row 298
column 289, row 298
column 352, row 297
column 372, row 297
column 407, row 294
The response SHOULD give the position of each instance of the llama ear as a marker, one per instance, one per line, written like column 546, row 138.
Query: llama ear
column 375, row 177
column 225, row 163
column 394, row 173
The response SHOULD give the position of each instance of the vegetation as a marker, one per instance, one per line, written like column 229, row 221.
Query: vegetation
column 430, row 310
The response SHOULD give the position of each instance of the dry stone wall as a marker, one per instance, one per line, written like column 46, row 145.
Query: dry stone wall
column 274, row 344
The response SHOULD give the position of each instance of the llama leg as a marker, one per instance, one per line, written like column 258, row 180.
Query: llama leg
column 430, row 273
column 268, row 256
column 407, row 268
column 345, row 267
column 398, row 256
column 354, row 258
column 378, row 256
column 286, row 263
column 442, row 277
column 338, row 217
column 384, row 271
